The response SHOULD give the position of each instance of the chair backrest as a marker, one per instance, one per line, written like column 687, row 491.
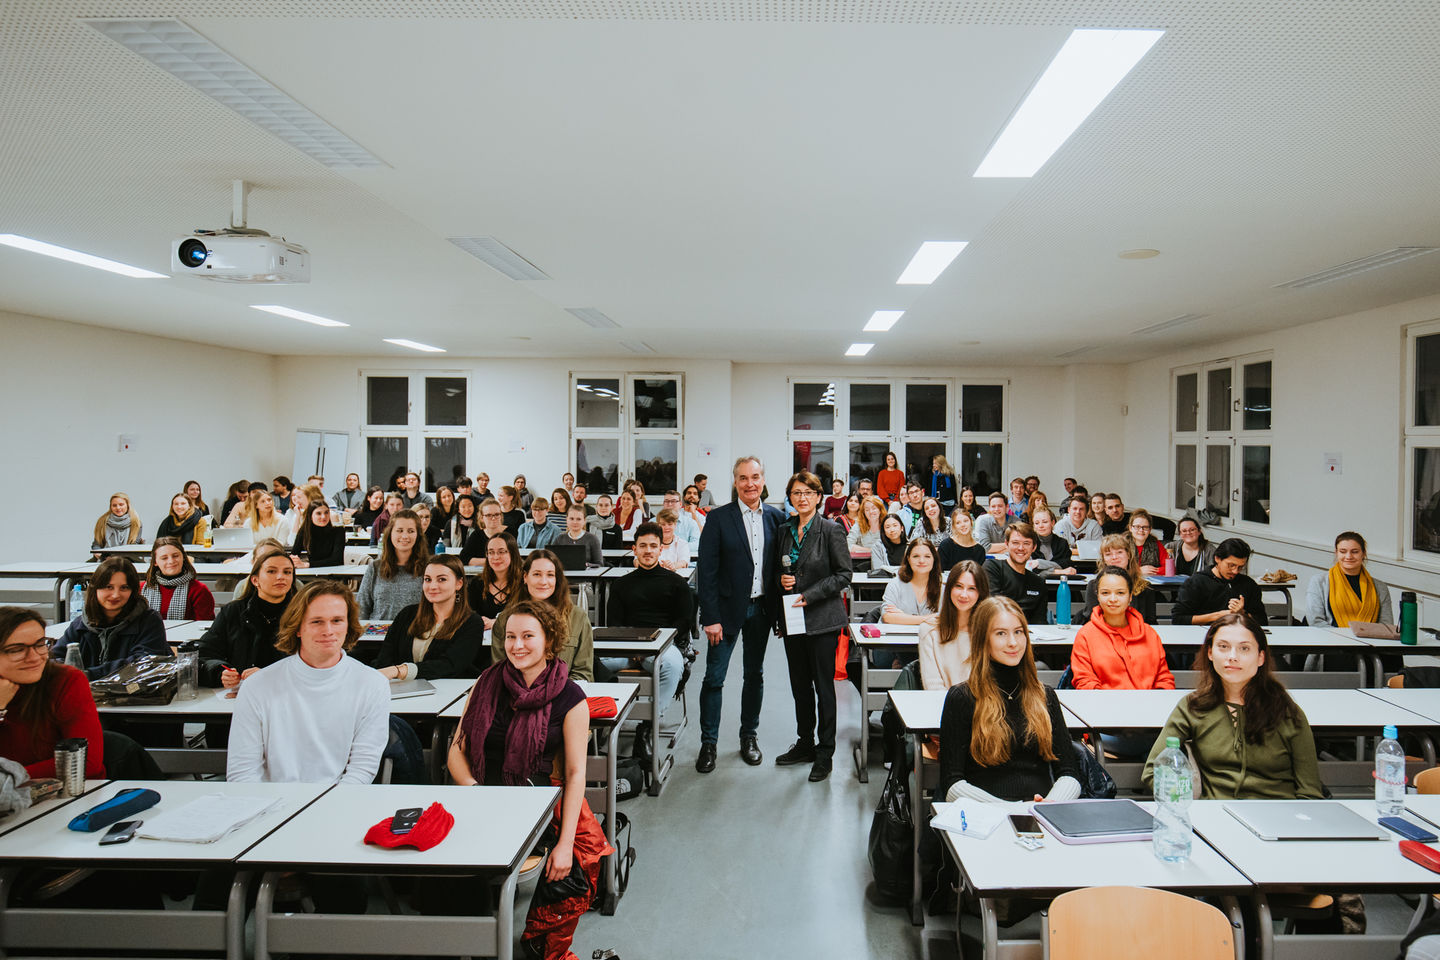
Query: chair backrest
column 1088, row 923
column 1397, row 681
column 1428, row 781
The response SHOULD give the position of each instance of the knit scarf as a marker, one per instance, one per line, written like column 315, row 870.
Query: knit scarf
column 529, row 723
column 1150, row 553
column 183, row 529
column 1349, row 608
column 179, row 600
column 118, row 530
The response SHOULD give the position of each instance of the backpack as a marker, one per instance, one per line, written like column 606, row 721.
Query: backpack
column 624, row 858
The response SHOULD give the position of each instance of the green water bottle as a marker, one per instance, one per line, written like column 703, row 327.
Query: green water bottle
column 1409, row 618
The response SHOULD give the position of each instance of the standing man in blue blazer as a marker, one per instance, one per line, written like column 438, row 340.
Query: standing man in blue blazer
column 737, row 604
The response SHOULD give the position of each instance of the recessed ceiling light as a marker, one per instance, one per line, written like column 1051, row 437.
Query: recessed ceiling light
column 882, row 320
column 493, row 253
column 1351, row 267
column 592, row 317
column 1143, row 253
column 931, row 260
column 192, row 59
column 297, row 315
column 1087, row 68
column 637, row 346
column 858, row 349
column 75, row 256
column 414, row 345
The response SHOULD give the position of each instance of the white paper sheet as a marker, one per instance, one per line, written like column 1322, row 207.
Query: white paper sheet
column 794, row 616
column 969, row 818
column 205, row 819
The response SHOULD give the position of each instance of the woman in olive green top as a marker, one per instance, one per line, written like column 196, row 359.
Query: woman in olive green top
column 1248, row 738
column 543, row 578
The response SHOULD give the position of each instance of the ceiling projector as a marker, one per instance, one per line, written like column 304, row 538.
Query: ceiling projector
column 239, row 256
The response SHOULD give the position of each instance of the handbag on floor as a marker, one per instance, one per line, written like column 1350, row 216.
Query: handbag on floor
column 891, row 833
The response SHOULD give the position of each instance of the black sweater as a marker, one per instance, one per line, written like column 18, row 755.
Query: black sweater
column 1026, row 589
column 326, row 547
column 242, row 636
column 952, row 553
column 461, row 656
column 651, row 598
column 1206, row 593
column 1025, row 774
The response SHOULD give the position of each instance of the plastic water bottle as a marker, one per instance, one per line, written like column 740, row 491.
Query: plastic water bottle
column 77, row 601
column 439, row 546
column 1390, row 774
column 1062, row 603
column 1174, row 792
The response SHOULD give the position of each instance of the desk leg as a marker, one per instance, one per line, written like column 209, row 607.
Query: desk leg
column 607, row 908
column 990, row 929
column 1099, row 747
column 1266, row 931
column 862, row 765
column 1231, row 907
column 62, row 584
column 505, row 918
column 264, row 906
column 235, row 918
column 655, row 707
column 917, row 808
column 1427, row 744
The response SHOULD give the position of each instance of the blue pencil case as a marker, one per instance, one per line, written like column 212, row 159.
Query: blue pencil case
column 117, row 808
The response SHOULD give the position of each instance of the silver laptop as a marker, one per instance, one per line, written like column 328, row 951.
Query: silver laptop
column 1303, row 820
column 404, row 689
column 1087, row 550
column 232, row 537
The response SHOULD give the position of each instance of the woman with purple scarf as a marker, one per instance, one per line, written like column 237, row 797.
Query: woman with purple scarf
column 526, row 723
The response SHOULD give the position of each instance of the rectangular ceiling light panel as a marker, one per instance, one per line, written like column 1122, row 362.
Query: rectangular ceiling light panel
column 859, row 349
column 883, row 320
column 75, row 256
column 592, row 317
column 1352, row 267
column 414, row 345
column 293, row 314
column 1170, row 324
column 931, row 260
column 194, row 60
column 493, row 253
column 1087, row 68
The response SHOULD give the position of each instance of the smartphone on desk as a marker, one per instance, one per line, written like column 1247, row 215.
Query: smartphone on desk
column 1026, row 827
column 1408, row 830
column 405, row 819
column 122, row 832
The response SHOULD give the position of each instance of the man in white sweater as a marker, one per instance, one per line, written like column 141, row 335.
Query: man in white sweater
column 1077, row 524
column 318, row 716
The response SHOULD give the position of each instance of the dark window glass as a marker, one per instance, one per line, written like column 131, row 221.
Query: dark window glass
column 657, row 405
column 982, row 407
column 387, row 460
column 387, row 401
column 445, row 401
column 444, row 460
column 1257, row 397
column 918, row 457
column 980, row 468
column 814, row 406
column 1217, row 400
column 597, row 403
column 925, row 407
column 1217, row 479
column 597, row 466
column 866, row 460
column 1255, row 484
column 1427, row 381
column 869, row 406
column 657, row 465
column 1185, row 476
column 818, row 458
column 1187, row 403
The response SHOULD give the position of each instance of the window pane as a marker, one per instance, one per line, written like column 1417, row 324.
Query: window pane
column 1184, row 476
column 1217, row 400
column 982, row 408
column 657, row 465
column 1427, row 383
column 445, row 401
column 866, row 460
column 597, row 403
column 818, row 458
column 917, row 461
column 814, row 406
column 444, row 460
column 1257, row 397
column 597, row 465
column 869, row 406
column 1187, row 403
column 1217, row 479
column 1255, row 484
column 925, row 407
column 1427, row 500
column 657, row 405
column 388, row 401
column 387, row 460
column 979, row 468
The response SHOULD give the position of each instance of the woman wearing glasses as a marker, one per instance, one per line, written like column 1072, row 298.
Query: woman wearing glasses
column 42, row 701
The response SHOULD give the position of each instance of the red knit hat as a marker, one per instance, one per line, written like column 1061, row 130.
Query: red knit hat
column 429, row 830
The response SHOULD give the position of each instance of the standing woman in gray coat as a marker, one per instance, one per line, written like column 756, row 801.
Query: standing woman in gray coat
column 812, row 559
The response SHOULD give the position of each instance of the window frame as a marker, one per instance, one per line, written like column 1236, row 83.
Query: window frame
column 1235, row 437
column 1414, row 438
column 626, row 433
column 416, row 434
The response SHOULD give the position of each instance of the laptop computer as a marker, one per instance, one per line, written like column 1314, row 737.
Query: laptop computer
column 630, row 634
column 403, row 689
column 1087, row 550
column 570, row 555
column 1096, row 821
column 1303, row 820
column 232, row 537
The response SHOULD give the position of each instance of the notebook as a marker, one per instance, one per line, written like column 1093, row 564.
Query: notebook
column 1095, row 821
column 402, row 689
column 631, row 634
column 1303, row 820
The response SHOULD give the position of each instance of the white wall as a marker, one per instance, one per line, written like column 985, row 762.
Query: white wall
column 69, row 392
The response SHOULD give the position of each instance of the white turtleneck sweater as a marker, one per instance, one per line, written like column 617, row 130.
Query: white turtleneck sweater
column 297, row 724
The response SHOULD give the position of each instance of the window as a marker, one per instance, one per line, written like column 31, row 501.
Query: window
column 1221, row 439
column 625, row 426
column 418, row 422
column 1422, row 441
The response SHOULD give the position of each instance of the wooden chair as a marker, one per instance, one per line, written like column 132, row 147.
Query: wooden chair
column 1084, row 924
column 1396, row 682
column 1428, row 781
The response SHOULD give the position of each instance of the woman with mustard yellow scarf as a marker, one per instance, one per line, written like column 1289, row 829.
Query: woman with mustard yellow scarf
column 1347, row 593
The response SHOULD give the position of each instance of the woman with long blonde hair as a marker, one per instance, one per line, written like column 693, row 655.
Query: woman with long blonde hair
column 117, row 526
column 866, row 531
column 1002, row 732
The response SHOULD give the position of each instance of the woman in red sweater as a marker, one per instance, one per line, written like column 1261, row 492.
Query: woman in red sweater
column 41, row 701
column 171, row 587
column 890, row 481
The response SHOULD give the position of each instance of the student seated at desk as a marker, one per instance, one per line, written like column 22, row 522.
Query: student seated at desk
column 1250, row 741
column 370, row 508
column 914, row 595
column 429, row 532
column 439, row 637
column 865, row 532
column 170, row 586
column 492, row 525
column 1347, row 593
column 444, row 507
column 889, row 550
column 184, row 522
column 536, row 533
column 560, row 502
column 1207, row 596
column 1002, row 732
column 117, row 625
column 526, row 723
column 602, row 521
column 263, row 520
column 192, row 490
column 1011, row 577
column 41, row 701
column 1077, row 524
column 1190, row 550
column 119, row 526
column 499, row 582
column 510, row 506
column 543, row 579
column 990, row 529
column 235, row 496
column 462, row 523
column 1118, row 550
column 628, row 517
column 352, row 498
column 652, row 596
column 393, row 505
column 1052, row 551
column 931, row 524
column 849, row 514
column 576, row 534
column 242, row 638
column 686, row 529
column 945, row 641
column 392, row 582
column 960, row 544
column 319, row 542
column 1150, row 551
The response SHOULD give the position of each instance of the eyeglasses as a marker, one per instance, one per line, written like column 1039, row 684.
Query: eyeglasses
column 805, row 492
column 17, row 652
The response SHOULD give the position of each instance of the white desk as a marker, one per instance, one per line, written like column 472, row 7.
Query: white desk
column 648, row 688
column 192, row 550
column 1422, row 702
column 47, row 841
column 495, row 829
column 876, row 682
column 62, row 572
column 1339, row 866
column 995, row 869
column 14, row 820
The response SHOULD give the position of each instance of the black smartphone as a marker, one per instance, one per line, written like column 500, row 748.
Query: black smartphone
column 405, row 819
column 1025, row 825
column 122, row 832
column 1407, row 829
